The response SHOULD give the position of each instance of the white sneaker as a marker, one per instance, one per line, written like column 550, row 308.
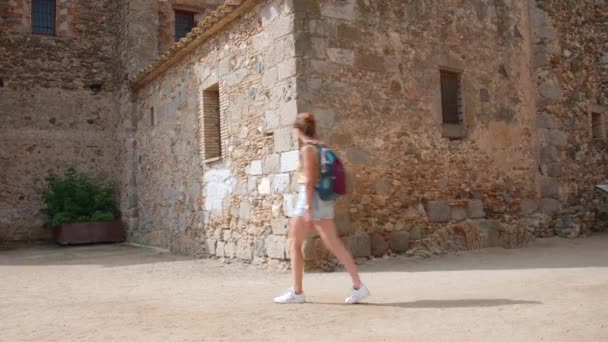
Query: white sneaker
column 290, row 297
column 357, row 295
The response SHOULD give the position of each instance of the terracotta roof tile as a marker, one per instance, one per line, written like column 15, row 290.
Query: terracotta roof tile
column 205, row 28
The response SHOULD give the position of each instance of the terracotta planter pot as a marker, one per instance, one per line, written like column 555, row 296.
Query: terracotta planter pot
column 89, row 232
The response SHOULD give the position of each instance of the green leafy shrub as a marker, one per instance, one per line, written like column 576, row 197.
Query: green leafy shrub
column 76, row 197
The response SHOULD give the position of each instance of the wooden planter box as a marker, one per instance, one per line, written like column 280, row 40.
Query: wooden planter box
column 89, row 232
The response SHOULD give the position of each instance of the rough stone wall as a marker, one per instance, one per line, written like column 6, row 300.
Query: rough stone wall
column 370, row 71
column 140, row 41
column 532, row 71
column 227, row 207
column 57, row 104
column 570, row 41
column 136, row 46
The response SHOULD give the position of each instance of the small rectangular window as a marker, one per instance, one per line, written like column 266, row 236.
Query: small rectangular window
column 211, row 133
column 451, row 97
column 43, row 16
column 152, row 119
column 598, row 128
column 184, row 22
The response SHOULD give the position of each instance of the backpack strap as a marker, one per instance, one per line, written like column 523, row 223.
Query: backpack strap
column 322, row 160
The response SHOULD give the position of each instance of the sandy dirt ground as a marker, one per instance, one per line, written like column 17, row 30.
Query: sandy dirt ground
column 553, row 290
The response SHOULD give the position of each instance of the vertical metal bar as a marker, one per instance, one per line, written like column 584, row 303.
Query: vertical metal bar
column 454, row 98
column 444, row 103
column 184, row 22
column 598, row 131
column 43, row 16
column 451, row 97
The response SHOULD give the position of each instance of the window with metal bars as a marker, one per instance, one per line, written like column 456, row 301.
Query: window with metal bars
column 598, row 128
column 184, row 22
column 43, row 16
column 451, row 97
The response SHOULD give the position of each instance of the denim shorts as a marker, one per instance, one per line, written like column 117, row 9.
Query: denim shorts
column 321, row 210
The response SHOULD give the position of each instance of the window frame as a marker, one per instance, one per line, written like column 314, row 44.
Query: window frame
column 206, row 125
column 452, row 130
column 598, row 126
column 446, row 117
column 53, row 21
column 176, row 12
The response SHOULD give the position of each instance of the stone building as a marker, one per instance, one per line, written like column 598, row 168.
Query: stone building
column 462, row 124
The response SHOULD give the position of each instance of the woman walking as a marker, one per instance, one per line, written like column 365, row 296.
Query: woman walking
column 310, row 211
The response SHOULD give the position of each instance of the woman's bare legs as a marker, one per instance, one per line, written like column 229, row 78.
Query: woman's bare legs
column 327, row 232
column 298, row 229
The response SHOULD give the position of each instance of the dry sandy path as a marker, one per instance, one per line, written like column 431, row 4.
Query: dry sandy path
column 554, row 290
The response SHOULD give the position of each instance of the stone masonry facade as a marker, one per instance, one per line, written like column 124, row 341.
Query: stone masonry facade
column 410, row 178
column 571, row 70
column 57, row 102
column 198, row 133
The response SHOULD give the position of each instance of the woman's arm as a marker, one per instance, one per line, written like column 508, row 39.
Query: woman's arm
column 309, row 160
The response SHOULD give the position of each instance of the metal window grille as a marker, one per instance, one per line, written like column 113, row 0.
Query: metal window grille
column 43, row 16
column 598, row 130
column 184, row 22
column 451, row 97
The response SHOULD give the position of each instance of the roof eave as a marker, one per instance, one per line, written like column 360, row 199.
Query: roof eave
column 206, row 28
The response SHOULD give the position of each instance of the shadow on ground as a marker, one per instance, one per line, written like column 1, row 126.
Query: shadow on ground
column 444, row 304
column 541, row 254
column 106, row 255
column 551, row 253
